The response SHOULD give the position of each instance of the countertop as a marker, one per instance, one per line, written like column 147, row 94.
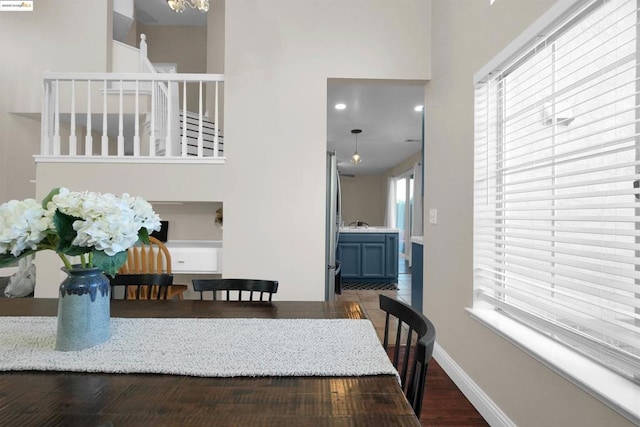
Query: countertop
column 418, row 239
column 369, row 229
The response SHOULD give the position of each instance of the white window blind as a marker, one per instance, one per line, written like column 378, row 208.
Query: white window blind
column 557, row 171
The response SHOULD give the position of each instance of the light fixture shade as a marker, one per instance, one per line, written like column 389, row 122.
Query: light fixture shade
column 356, row 158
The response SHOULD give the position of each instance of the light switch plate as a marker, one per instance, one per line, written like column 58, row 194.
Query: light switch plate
column 433, row 216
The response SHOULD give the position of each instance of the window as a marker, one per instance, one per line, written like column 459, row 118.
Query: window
column 557, row 185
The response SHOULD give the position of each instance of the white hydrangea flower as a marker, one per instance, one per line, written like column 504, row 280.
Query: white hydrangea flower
column 69, row 202
column 23, row 225
column 144, row 213
column 106, row 222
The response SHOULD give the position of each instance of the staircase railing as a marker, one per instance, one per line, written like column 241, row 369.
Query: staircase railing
column 81, row 107
column 162, row 97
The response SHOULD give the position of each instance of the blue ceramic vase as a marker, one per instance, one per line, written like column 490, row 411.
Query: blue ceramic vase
column 84, row 316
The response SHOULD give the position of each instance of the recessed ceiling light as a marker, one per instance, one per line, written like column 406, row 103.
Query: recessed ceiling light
column 340, row 106
column 418, row 108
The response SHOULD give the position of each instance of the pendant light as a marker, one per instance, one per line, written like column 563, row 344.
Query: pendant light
column 355, row 159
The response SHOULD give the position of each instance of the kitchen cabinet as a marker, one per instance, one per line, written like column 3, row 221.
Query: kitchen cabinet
column 417, row 274
column 368, row 256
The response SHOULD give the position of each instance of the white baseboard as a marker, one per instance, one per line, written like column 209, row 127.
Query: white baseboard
column 478, row 398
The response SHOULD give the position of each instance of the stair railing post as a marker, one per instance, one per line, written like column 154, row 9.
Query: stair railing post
column 121, row 122
column 44, row 128
column 184, row 119
column 143, row 54
column 200, row 115
column 136, row 120
column 72, row 135
column 216, row 125
column 168, row 149
column 88, row 139
column 154, row 109
column 56, row 120
column 104, row 151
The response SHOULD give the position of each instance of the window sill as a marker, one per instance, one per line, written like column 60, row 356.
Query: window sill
column 618, row 393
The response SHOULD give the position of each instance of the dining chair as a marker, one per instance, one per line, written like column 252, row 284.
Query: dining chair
column 266, row 288
column 151, row 258
column 416, row 353
column 154, row 286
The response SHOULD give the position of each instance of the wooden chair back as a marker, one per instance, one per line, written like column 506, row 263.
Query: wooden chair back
column 153, row 258
column 257, row 290
column 142, row 286
column 411, row 354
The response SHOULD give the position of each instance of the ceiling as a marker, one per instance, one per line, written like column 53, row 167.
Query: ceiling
column 157, row 12
column 384, row 110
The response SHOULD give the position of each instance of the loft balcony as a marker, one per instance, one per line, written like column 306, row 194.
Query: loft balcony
column 131, row 117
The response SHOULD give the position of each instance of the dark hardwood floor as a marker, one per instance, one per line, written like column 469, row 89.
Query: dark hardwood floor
column 444, row 404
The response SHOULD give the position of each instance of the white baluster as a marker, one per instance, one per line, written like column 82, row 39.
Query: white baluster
column 152, row 136
column 121, row 124
column 143, row 53
column 168, row 149
column 184, row 119
column 56, row 121
column 88, row 140
column 136, row 133
column 45, row 128
column 72, row 135
column 105, row 139
column 216, row 125
column 200, row 140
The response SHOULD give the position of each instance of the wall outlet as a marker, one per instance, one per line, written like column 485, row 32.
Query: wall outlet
column 433, row 216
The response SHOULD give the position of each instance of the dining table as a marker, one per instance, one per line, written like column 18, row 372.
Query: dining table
column 68, row 398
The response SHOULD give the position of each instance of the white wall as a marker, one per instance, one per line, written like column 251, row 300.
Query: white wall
column 51, row 38
column 364, row 199
column 466, row 35
column 278, row 57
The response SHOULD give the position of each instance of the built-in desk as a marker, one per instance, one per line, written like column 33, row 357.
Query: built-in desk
column 195, row 256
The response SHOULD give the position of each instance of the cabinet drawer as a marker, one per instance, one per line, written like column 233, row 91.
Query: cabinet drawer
column 194, row 260
column 361, row 237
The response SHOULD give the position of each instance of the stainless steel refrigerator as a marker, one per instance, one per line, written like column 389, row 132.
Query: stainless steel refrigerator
column 334, row 219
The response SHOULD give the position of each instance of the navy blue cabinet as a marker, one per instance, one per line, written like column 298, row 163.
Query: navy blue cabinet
column 368, row 257
column 417, row 251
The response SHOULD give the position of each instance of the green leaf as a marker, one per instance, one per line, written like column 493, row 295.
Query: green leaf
column 143, row 235
column 109, row 264
column 64, row 227
column 49, row 197
column 8, row 260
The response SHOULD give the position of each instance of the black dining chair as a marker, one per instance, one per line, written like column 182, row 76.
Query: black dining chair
column 265, row 288
column 153, row 286
column 415, row 338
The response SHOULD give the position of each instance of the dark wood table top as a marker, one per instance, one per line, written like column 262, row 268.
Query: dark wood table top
column 29, row 398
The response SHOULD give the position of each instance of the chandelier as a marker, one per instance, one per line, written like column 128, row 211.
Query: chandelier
column 178, row 6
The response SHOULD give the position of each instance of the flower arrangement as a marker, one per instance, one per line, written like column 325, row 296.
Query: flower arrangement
column 98, row 228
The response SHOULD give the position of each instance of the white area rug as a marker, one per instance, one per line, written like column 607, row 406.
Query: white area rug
column 203, row 347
